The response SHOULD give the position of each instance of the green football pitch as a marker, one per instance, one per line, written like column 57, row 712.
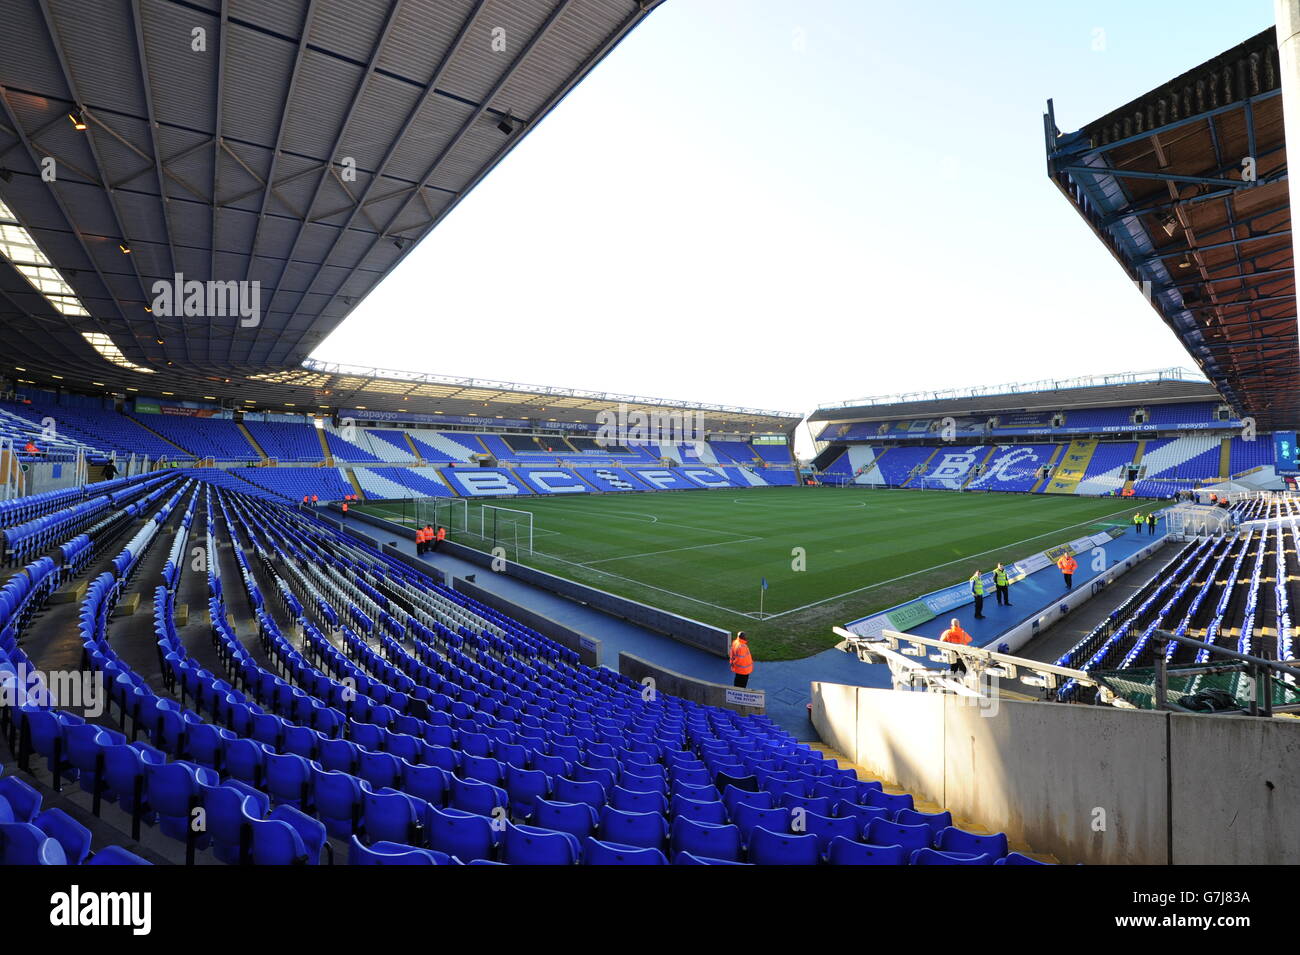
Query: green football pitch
column 829, row 555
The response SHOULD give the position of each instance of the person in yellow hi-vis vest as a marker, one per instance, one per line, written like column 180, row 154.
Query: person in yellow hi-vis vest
column 1002, row 582
column 977, row 591
column 1137, row 522
column 742, row 661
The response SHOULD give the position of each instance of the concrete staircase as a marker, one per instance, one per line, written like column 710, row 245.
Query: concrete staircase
column 1137, row 463
column 324, row 447
column 972, row 475
column 1073, row 467
column 248, row 436
column 921, row 469
column 1051, row 463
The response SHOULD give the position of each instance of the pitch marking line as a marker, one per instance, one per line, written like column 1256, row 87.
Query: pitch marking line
column 671, row 550
column 642, row 583
column 914, row 573
column 652, row 520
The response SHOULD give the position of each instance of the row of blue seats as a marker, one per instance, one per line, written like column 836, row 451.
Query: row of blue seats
column 680, row 745
column 31, row 835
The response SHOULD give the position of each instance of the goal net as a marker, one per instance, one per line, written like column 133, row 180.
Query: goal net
column 506, row 527
column 449, row 512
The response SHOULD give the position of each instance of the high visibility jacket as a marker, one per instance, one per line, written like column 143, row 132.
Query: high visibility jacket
column 31, row 448
column 977, row 585
column 1000, row 578
column 345, row 507
column 1137, row 518
column 419, row 535
column 1067, row 564
column 442, row 533
column 955, row 635
column 742, row 662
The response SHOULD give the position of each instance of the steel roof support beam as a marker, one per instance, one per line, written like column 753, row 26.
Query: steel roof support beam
column 269, row 184
column 146, row 85
column 57, row 43
column 1156, row 176
column 67, row 217
column 645, row 8
column 217, row 146
column 1173, row 253
column 1168, row 127
column 357, row 96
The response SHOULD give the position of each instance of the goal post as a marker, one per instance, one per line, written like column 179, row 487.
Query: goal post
column 506, row 526
column 449, row 512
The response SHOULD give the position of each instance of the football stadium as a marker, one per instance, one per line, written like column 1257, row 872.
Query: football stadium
column 260, row 607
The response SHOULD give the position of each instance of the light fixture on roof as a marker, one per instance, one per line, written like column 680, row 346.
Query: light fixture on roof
column 506, row 125
column 109, row 351
column 1169, row 223
column 1186, row 263
column 19, row 248
column 126, row 249
column 78, row 119
column 399, row 242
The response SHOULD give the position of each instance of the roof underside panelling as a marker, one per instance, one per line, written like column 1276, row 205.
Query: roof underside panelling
column 1187, row 187
column 304, row 145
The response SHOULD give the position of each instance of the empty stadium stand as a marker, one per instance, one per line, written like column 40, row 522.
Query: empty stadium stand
column 403, row 722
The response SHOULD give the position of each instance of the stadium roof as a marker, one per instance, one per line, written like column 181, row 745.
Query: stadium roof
column 1093, row 391
column 379, row 389
column 306, row 146
column 1187, row 187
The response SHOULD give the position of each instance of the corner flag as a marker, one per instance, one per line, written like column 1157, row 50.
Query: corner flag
column 765, row 583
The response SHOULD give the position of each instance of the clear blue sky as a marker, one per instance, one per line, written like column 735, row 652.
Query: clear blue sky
column 780, row 205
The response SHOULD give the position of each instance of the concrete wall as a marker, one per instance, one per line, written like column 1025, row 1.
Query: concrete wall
column 1236, row 790
column 687, row 687
column 712, row 640
column 1087, row 784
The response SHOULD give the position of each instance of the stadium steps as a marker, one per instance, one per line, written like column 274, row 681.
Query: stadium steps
column 1051, row 465
column 163, row 438
column 356, row 485
column 829, row 456
column 1127, row 490
column 325, row 447
column 1225, row 460
column 972, row 474
column 1066, row 478
column 922, row 804
column 248, row 436
column 921, row 469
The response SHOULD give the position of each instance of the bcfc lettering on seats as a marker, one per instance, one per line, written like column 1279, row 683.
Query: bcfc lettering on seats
column 613, row 480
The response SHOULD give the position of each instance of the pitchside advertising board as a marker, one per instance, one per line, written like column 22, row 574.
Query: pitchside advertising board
column 940, row 602
column 1284, row 453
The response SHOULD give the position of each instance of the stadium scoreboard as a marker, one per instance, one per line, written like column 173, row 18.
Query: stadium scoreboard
column 1284, row 452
